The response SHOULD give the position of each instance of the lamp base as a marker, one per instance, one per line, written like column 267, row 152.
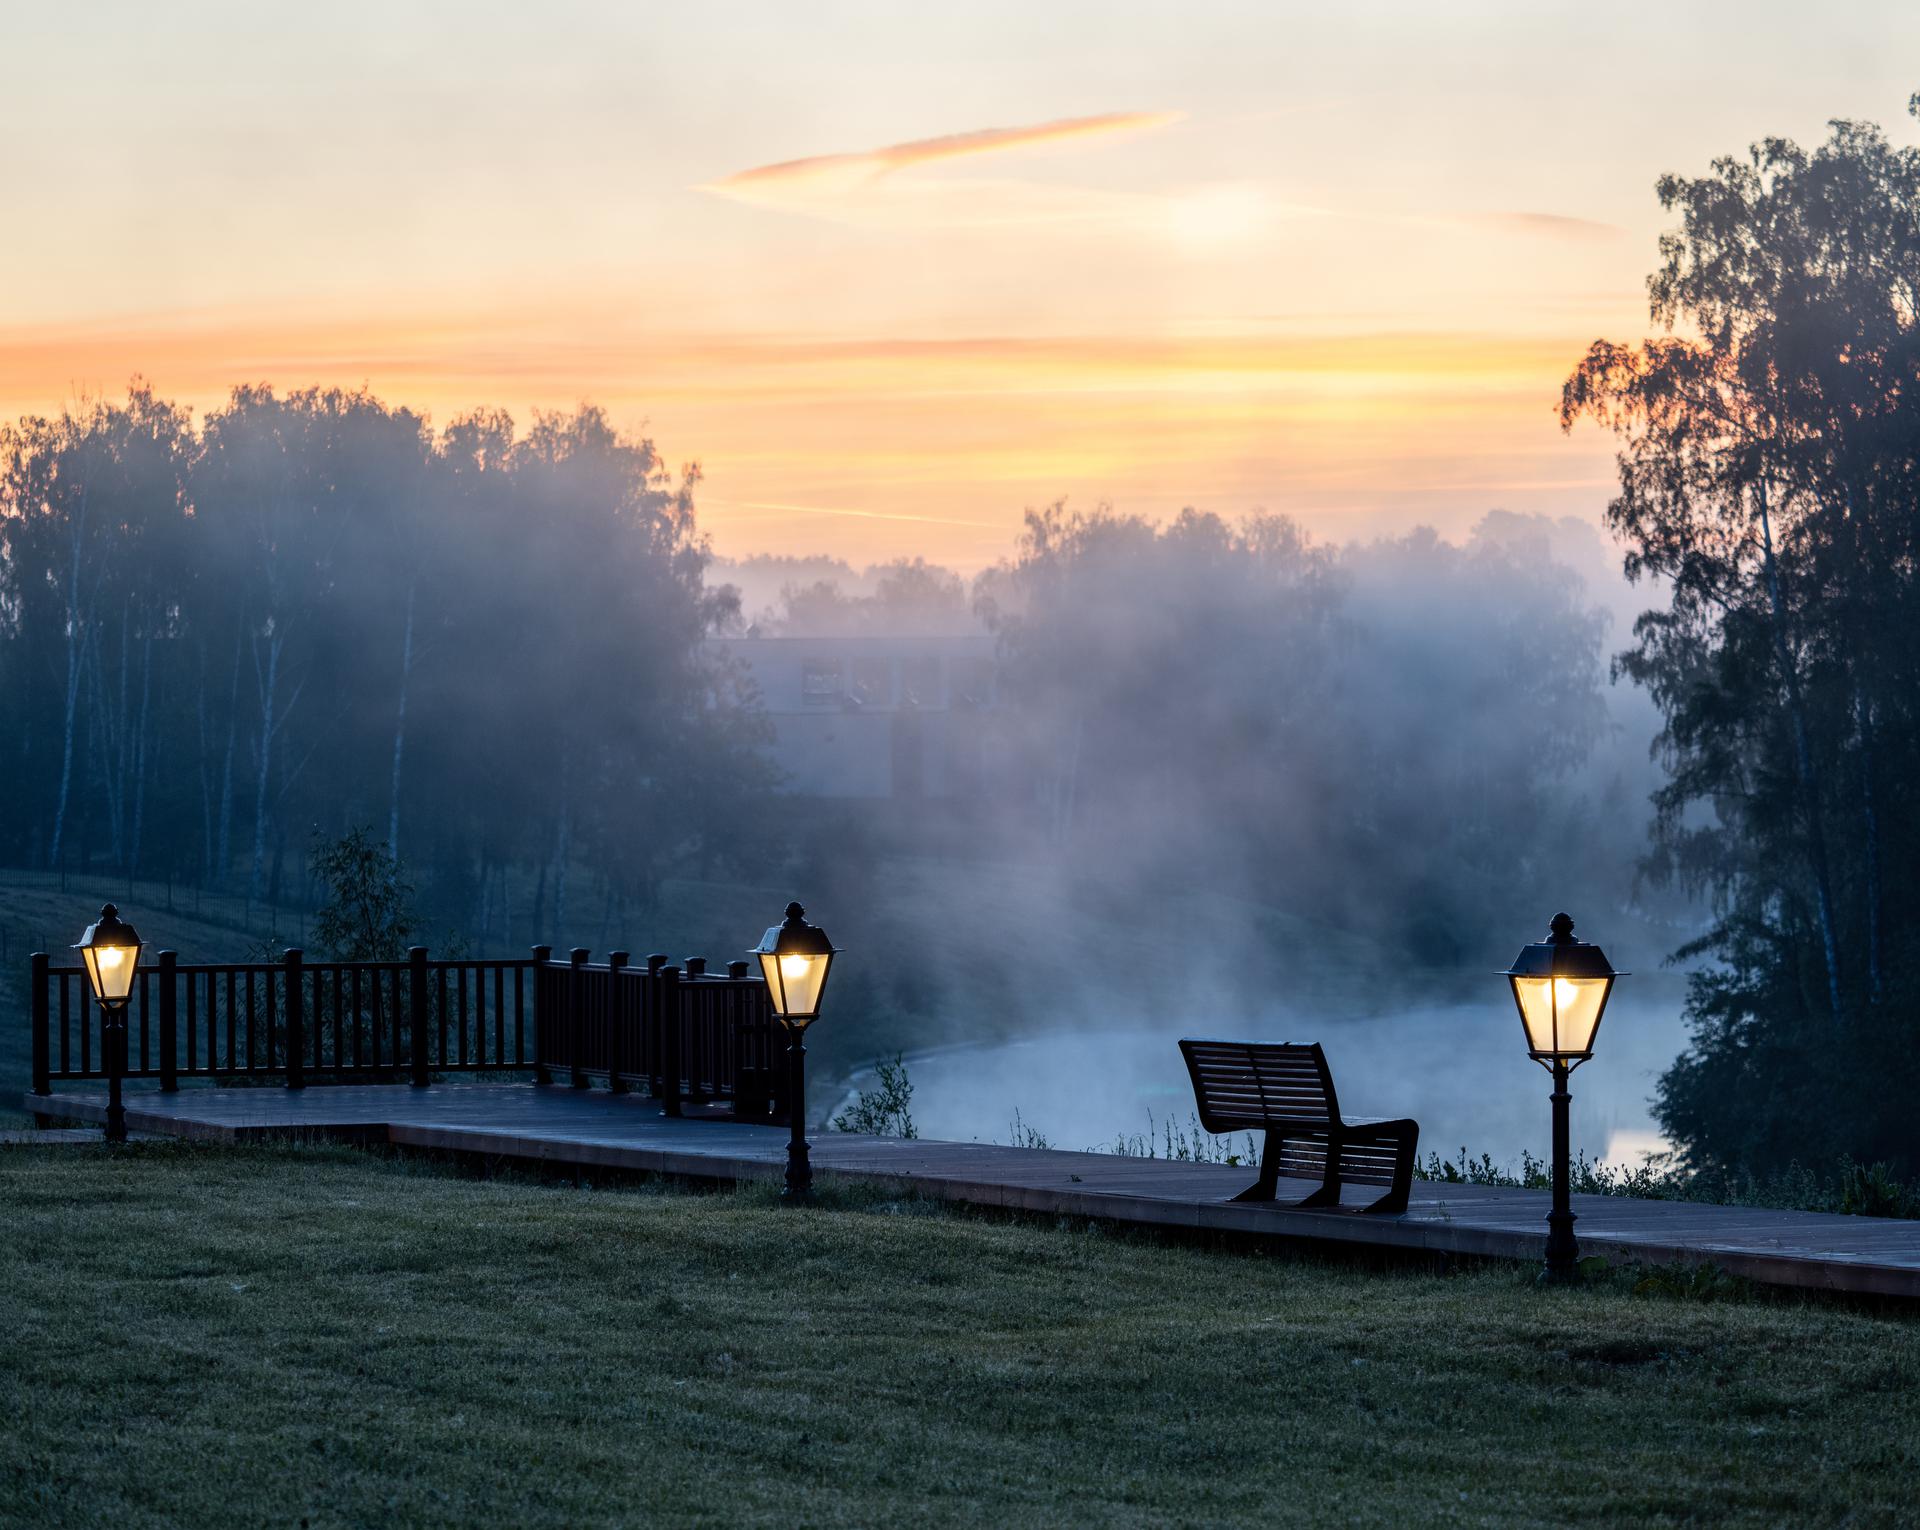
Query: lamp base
column 1562, row 1264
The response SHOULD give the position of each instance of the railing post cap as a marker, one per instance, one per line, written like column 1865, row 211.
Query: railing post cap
column 617, row 958
column 580, row 954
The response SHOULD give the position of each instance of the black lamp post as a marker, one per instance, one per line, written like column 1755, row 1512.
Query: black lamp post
column 111, row 949
column 794, row 958
column 1561, row 987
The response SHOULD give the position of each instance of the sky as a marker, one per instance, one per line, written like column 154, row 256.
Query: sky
column 891, row 274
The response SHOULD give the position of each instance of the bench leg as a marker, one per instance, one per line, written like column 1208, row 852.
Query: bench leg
column 1263, row 1188
column 1328, row 1195
column 1395, row 1200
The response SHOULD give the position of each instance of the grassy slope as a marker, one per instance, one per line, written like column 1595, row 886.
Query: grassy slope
column 36, row 914
column 207, row 1336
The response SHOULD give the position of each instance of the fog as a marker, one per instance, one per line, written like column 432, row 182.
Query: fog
column 1460, row 1070
column 1136, row 780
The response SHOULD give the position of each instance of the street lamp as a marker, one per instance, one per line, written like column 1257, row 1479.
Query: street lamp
column 1561, row 987
column 111, row 949
column 794, row 959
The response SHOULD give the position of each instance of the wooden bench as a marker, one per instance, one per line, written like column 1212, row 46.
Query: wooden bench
column 1285, row 1090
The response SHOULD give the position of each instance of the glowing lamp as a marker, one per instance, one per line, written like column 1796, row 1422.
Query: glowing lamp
column 1561, row 987
column 794, row 959
column 111, row 949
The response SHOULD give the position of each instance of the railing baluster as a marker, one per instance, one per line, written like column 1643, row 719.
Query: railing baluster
column 577, row 1018
column 417, row 1004
column 39, row 1006
column 296, row 1022
column 543, row 1016
column 169, row 1023
column 616, row 1020
column 669, row 1000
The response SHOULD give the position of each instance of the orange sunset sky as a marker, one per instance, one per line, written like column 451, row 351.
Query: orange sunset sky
column 891, row 273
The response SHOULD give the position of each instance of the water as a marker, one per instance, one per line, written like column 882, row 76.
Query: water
column 1461, row 1071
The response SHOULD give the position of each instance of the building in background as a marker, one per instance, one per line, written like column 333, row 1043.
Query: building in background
column 871, row 717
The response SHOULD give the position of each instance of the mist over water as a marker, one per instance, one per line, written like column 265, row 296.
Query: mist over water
column 1460, row 1070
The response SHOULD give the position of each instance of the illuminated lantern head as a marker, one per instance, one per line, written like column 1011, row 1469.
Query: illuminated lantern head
column 1561, row 987
column 794, row 958
column 111, row 948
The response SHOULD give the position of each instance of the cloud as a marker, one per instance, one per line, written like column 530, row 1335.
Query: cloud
column 834, row 168
column 837, row 183
column 1558, row 225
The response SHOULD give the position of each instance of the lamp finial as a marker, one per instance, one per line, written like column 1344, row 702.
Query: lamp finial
column 1560, row 932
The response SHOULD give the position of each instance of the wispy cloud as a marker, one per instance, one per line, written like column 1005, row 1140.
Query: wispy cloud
column 838, row 170
column 1556, row 225
column 867, row 187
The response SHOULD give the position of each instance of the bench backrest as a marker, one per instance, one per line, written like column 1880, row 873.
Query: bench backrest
column 1239, row 1084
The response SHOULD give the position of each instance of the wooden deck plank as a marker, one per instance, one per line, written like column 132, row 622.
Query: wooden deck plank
column 597, row 1129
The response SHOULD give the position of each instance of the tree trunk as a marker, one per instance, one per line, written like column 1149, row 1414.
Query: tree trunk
column 1870, row 815
column 142, row 752
column 1804, row 767
column 223, row 841
column 269, row 682
column 562, row 850
column 400, row 728
column 76, row 634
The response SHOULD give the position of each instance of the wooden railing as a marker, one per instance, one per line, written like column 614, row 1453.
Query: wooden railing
column 681, row 1035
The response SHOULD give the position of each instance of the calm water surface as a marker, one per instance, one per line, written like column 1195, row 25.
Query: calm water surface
column 1461, row 1071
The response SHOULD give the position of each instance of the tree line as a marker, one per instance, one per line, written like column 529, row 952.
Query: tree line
column 312, row 611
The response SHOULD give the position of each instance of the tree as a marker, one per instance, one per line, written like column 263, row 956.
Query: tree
column 366, row 912
column 89, row 510
column 1769, row 468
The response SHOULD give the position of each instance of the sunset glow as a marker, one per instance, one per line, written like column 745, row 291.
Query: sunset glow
column 891, row 282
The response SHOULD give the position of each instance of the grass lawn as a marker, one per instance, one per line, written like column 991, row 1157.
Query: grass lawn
column 208, row 1336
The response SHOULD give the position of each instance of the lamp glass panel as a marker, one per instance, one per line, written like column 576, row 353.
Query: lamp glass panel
column 801, row 979
column 770, row 970
column 1561, row 1014
column 1579, row 1002
column 111, row 970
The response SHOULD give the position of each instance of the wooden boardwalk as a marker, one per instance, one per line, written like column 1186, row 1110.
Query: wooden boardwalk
column 594, row 1128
